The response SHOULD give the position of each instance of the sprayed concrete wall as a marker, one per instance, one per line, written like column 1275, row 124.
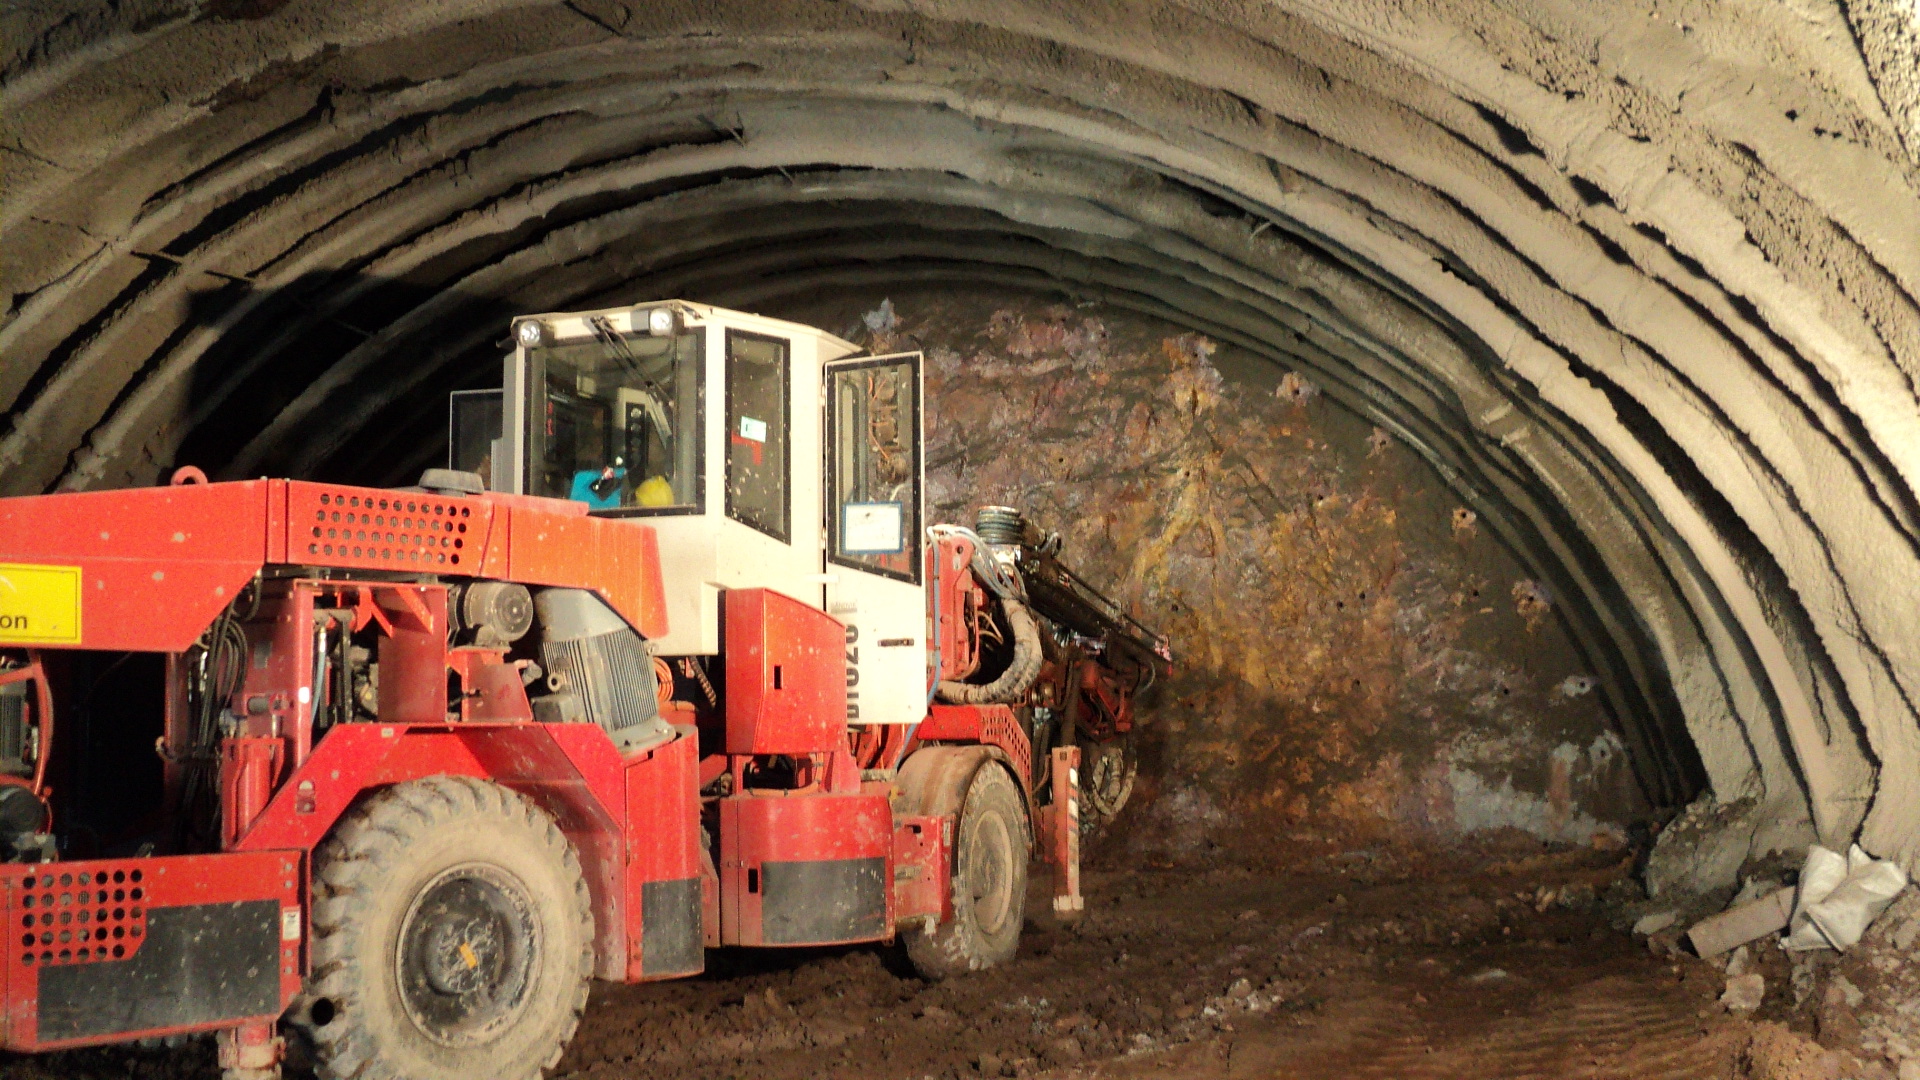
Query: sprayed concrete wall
column 1357, row 655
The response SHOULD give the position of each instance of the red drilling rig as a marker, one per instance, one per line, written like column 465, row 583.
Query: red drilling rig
column 667, row 661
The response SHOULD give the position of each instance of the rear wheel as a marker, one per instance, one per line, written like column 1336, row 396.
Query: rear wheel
column 989, row 883
column 452, row 937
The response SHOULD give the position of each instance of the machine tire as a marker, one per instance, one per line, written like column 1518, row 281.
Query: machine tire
column 417, row 867
column 989, row 883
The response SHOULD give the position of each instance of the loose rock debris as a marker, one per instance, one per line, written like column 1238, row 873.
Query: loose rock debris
column 1744, row 993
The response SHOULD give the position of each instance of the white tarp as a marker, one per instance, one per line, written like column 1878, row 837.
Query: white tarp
column 1839, row 897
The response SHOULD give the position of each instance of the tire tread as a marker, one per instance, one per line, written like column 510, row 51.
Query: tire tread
column 957, row 946
column 369, row 843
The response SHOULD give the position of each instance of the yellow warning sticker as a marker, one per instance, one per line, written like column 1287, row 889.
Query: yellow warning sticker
column 39, row 605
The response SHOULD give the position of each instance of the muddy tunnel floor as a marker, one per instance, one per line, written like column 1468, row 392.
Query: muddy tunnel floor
column 1509, row 961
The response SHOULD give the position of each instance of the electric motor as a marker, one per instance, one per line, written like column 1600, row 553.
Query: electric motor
column 591, row 653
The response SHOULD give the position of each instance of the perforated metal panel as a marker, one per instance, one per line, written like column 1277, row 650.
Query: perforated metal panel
column 68, row 917
column 385, row 530
column 109, row 949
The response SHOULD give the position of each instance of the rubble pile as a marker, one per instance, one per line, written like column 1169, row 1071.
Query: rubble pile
column 1817, row 955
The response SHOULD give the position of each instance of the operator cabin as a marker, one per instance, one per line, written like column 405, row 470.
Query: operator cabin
column 704, row 422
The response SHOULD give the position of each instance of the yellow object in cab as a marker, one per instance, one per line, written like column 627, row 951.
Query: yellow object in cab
column 654, row 492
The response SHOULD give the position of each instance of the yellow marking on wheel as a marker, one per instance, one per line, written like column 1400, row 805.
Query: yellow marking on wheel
column 467, row 954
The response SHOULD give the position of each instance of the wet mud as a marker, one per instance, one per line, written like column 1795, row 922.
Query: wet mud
column 1497, row 960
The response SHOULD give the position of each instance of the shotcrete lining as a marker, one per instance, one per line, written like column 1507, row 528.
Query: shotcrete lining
column 1461, row 222
column 734, row 263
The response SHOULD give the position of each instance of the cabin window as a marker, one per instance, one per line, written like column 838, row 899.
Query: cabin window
column 757, row 452
column 873, row 426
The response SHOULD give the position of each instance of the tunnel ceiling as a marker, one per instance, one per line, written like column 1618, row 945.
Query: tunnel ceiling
column 1637, row 280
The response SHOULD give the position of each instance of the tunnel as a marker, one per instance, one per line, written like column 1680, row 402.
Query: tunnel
column 1595, row 308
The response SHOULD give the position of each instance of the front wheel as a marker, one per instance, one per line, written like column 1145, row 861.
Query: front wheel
column 989, row 883
column 452, row 937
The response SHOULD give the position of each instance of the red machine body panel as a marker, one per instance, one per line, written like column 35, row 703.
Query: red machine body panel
column 957, row 603
column 373, row 529
column 665, row 872
column 223, row 933
column 922, row 869
column 491, row 688
column 280, row 658
column 157, row 564
column 607, row 555
column 992, row 725
column 805, row 869
column 786, row 682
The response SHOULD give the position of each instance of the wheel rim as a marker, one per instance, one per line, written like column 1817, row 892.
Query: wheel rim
column 467, row 953
column 990, row 870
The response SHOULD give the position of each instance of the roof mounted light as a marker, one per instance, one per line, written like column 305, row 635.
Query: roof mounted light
column 532, row 333
column 661, row 321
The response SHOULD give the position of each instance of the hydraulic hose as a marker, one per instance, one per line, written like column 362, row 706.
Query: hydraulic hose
column 1014, row 682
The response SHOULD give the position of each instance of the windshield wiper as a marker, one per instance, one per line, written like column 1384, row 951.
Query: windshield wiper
column 655, row 399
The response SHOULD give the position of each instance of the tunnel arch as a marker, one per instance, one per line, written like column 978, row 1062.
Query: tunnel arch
column 1638, row 286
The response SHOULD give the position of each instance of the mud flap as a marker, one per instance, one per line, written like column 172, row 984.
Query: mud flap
column 200, row 964
column 671, row 939
column 823, row 900
column 806, row 870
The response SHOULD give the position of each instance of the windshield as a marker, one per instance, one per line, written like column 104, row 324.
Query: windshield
column 620, row 425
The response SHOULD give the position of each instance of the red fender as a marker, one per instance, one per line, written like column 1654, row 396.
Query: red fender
column 572, row 771
column 933, row 781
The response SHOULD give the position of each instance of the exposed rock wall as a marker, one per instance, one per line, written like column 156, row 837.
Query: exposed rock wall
column 1356, row 654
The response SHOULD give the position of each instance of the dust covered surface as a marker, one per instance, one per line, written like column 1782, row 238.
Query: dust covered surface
column 1642, row 278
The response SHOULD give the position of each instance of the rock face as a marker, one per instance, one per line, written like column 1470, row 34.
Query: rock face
column 1348, row 655
column 1701, row 849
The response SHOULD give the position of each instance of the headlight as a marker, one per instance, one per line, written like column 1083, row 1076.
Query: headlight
column 532, row 333
column 660, row 321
